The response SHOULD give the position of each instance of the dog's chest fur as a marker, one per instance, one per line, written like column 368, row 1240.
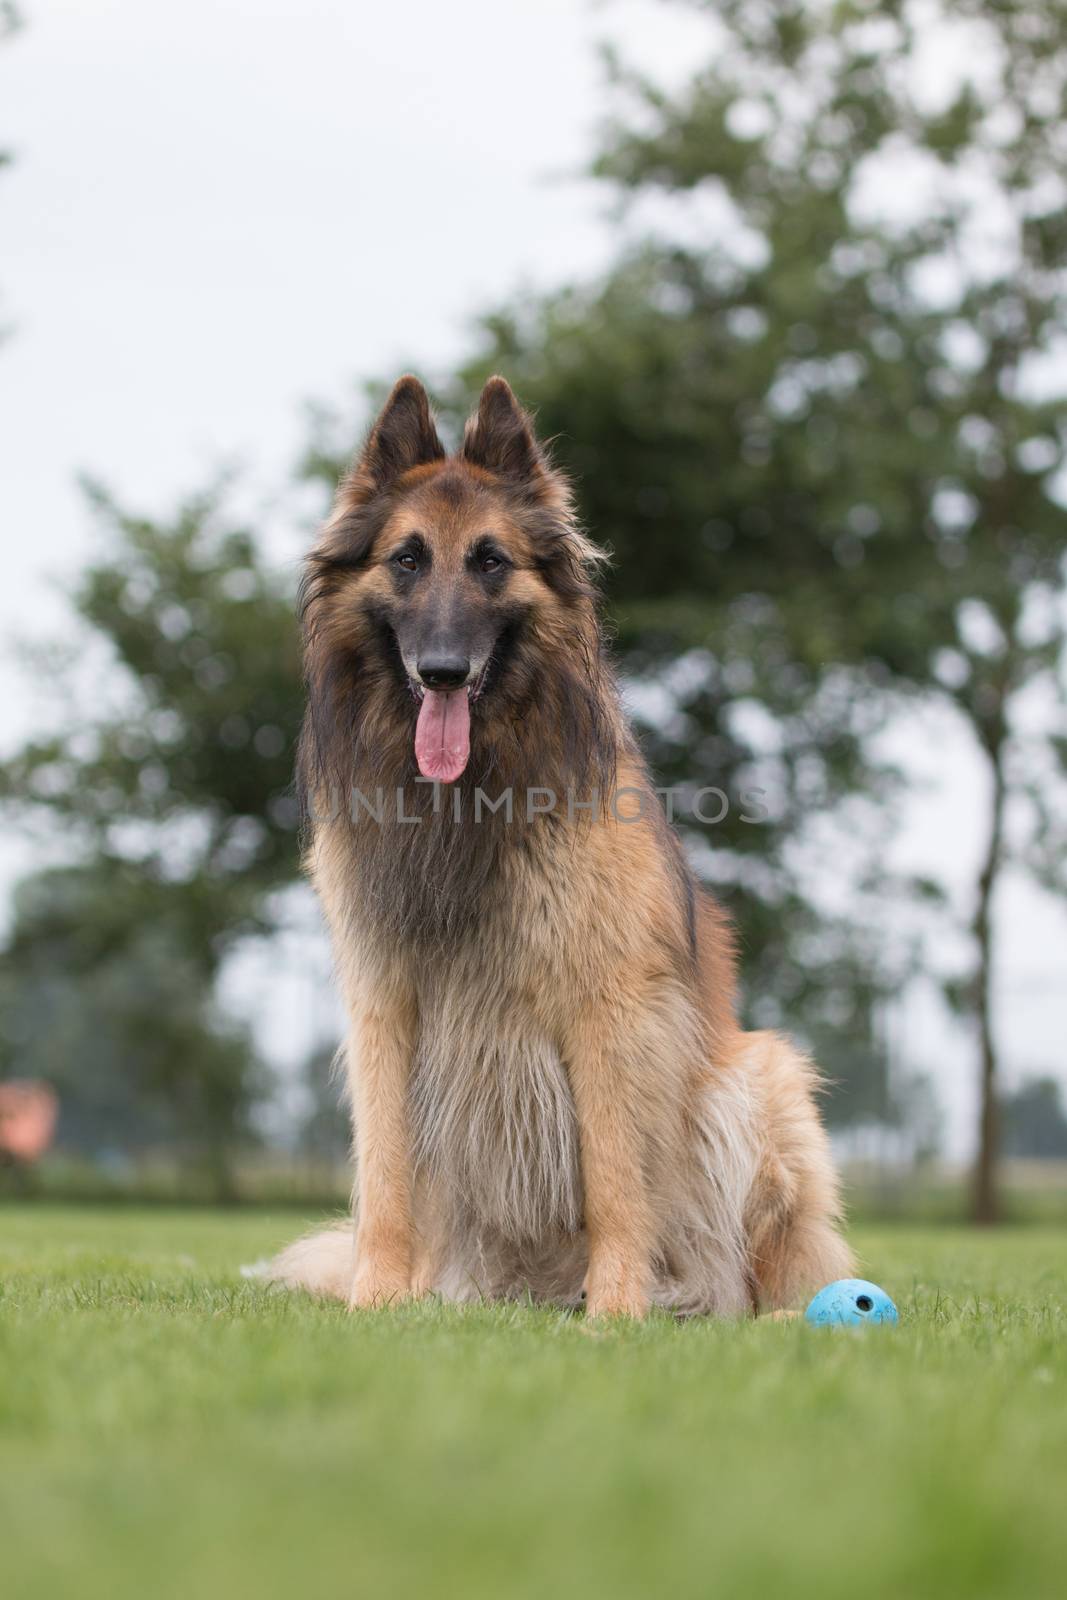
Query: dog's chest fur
column 494, row 1124
column 494, row 1127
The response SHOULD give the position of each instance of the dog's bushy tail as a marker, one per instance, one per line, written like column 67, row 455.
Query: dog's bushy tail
column 322, row 1262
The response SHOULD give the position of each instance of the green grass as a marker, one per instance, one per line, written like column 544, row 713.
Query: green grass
column 169, row 1429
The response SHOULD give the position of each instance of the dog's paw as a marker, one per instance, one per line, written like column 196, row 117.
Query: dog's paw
column 375, row 1288
column 616, row 1300
column 422, row 1282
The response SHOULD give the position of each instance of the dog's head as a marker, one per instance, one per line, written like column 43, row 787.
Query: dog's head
column 443, row 586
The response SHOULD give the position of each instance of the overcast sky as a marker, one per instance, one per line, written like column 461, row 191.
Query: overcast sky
column 220, row 210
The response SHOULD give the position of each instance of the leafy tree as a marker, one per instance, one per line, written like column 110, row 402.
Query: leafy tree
column 809, row 413
column 170, row 778
column 187, row 769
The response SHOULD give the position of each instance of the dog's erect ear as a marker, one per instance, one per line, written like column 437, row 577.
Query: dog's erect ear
column 403, row 437
column 500, row 436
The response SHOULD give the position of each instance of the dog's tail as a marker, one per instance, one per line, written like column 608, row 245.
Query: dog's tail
column 322, row 1262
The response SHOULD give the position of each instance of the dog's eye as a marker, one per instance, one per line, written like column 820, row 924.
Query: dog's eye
column 409, row 562
column 491, row 563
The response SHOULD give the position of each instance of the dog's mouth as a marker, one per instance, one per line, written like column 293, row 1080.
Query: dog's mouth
column 443, row 729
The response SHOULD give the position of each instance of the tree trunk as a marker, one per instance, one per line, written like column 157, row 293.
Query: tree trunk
column 986, row 1201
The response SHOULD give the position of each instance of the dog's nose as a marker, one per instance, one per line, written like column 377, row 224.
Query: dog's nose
column 444, row 671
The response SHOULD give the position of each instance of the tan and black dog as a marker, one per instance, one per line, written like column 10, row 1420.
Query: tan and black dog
column 551, row 1092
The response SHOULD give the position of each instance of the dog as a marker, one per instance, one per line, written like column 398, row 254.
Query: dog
column 552, row 1096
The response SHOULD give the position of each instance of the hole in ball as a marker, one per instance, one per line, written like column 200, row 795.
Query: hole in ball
column 864, row 1302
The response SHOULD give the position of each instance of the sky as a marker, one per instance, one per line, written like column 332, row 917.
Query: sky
column 220, row 211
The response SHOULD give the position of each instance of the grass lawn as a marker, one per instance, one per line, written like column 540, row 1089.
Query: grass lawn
column 169, row 1429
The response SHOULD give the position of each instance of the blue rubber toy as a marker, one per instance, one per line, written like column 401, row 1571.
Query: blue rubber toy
column 851, row 1303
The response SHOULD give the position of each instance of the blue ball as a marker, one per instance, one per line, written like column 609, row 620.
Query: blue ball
column 851, row 1302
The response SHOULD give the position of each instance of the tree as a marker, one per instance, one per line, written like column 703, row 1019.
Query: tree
column 171, row 781
column 187, row 772
column 810, row 416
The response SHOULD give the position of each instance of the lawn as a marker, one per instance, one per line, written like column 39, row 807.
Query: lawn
column 170, row 1429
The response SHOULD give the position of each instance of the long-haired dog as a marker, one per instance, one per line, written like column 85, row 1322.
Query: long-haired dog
column 551, row 1092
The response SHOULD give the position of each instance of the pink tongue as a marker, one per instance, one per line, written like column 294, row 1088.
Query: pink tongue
column 443, row 734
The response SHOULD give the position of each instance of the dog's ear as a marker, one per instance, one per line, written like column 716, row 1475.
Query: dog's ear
column 500, row 436
column 403, row 437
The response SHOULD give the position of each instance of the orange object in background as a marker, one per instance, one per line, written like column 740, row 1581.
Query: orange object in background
column 28, row 1114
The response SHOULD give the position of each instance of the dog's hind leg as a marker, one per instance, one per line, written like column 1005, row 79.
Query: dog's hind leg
column 793, row 1243
column 793, row 1213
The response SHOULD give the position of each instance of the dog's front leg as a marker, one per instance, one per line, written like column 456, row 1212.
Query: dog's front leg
column 380, row 1049
column 618, row 1223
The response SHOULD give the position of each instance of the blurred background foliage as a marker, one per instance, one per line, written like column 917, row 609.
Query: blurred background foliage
column 809, row 413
